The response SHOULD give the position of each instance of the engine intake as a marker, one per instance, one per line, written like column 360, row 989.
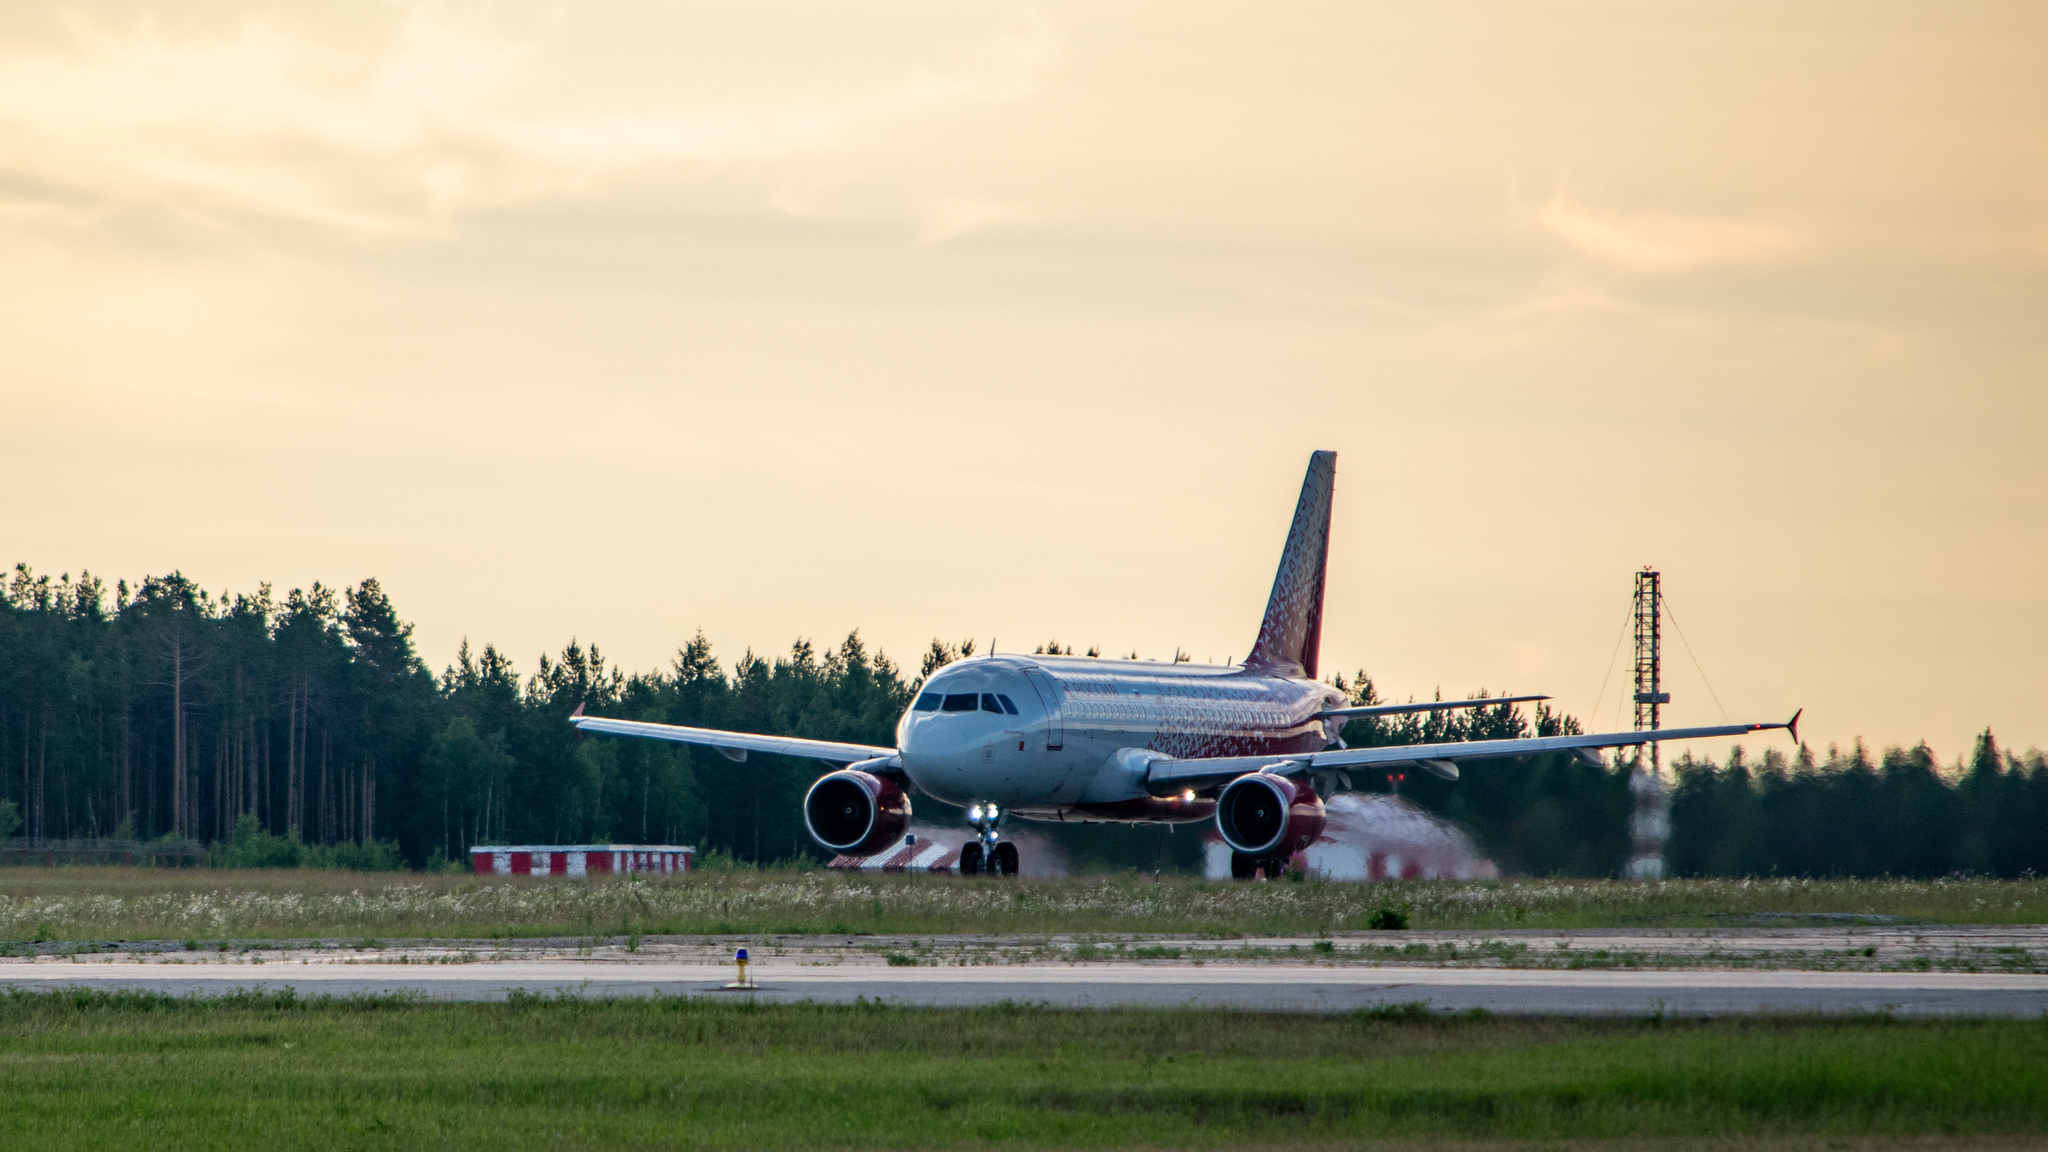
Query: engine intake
column 856, row 813
column 1266, row 816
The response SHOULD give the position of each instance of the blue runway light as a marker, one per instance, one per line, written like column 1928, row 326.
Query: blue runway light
column 743, row 982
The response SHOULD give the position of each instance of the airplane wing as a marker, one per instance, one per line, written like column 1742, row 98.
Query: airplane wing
column 1164, row 777
column 733, row 745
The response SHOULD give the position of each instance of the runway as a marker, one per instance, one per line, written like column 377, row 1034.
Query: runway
column 1271, row 987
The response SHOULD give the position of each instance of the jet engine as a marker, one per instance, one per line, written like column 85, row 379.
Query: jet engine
column 1267, row 817
column 856, row 813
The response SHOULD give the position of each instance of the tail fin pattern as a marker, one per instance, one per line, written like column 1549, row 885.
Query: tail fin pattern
column 1291, row 636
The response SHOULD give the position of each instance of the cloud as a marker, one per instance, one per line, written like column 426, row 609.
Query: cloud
column 1663, row 242
column 946, row 219
column 404, row 125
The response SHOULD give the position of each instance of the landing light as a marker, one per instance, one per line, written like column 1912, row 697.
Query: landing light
column 1188, row 795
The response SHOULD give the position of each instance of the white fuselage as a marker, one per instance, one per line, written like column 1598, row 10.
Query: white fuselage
column 1068, row 738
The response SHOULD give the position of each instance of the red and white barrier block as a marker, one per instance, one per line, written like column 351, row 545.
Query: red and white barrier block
column 580, row 859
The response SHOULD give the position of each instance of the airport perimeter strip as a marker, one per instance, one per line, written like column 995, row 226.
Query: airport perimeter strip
column 1508, row 991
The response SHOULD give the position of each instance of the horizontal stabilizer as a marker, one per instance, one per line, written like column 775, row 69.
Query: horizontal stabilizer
column 1430, row 706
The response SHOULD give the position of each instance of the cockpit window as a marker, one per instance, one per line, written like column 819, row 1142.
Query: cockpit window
column 929, row 702
column 1008, row 706
column 989, row 704
column 961, row 702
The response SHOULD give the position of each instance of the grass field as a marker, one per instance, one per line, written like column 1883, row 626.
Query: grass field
column 84, row 903
column 91, row 1070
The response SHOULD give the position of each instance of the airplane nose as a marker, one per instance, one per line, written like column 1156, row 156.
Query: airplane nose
column 934, row 737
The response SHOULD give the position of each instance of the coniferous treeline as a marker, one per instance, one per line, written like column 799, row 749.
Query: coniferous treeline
column 167, row 712
column 1848, row 815
column 164, row 711
column 1900, row 815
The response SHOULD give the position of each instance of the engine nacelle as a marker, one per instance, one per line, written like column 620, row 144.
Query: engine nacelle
column 856, row 813
column 1266, row 816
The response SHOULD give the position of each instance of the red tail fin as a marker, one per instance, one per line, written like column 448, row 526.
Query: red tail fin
column 1291, row 636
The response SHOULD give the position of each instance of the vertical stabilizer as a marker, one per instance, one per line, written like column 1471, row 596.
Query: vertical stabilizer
column 1292, row 634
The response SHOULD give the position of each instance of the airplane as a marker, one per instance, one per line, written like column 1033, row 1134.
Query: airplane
column 1253, row 746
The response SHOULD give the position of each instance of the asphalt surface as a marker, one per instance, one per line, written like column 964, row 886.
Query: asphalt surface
column 1693, row 992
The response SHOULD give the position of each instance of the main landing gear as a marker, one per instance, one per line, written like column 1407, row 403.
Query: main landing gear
column 1243, row 867
column 985, row 853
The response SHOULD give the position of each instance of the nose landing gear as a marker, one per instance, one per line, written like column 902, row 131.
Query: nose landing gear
column 985, row 853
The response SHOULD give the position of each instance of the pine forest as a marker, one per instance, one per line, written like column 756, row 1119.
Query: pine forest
column 306, row 729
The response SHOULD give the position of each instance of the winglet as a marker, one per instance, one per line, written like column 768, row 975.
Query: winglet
column 578, row 711
column 1792, row 725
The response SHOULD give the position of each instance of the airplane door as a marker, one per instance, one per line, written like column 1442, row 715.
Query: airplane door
column 1048, row 695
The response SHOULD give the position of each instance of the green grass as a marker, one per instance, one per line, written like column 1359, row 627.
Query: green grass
column 138, row 1072
column 87, row 903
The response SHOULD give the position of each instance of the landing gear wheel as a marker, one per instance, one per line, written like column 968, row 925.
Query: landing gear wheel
column 1275, row 868
column 970, row 858
column 1004, row 862
column 1243, row 867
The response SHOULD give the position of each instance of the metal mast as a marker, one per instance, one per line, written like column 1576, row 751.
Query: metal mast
column 1650, row 823
column 1650, row 694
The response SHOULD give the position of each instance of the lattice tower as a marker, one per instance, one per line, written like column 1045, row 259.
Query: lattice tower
column 1650, row 694
column 1650, row 823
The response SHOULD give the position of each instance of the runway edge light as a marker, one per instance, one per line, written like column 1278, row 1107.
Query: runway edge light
column 743, row 982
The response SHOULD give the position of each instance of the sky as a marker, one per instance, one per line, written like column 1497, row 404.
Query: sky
column 614, row 321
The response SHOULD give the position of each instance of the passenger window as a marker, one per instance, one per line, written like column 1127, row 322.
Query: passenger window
column 988, row 704
column 1007, row 705
column 929, row 702
column 962, row 702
